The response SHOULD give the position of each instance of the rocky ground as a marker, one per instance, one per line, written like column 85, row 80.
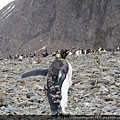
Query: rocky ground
column 95, row 88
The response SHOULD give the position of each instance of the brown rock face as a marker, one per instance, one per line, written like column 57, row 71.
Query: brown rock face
column 28, row 25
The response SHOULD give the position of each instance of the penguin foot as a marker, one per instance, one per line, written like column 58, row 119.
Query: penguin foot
column 56, row 114
column 60, row 114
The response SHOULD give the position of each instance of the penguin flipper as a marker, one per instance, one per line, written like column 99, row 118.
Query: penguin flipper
column 36, row 72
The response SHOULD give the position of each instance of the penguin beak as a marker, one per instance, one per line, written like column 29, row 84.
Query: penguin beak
column 68, row 51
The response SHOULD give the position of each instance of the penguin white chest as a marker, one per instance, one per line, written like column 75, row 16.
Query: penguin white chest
column 65, row 87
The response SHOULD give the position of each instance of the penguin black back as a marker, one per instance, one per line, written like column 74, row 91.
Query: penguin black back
column 57, row 78
column 54, row 84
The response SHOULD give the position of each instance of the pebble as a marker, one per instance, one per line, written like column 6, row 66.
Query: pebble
column 2, row 102
column 11, row 108
column 115, row 73
column 30, row 94
column 95, row 88
column 110, row 79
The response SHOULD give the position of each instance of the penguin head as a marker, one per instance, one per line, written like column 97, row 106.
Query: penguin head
column 63, row 54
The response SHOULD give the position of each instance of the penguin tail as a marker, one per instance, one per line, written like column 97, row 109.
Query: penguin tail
column 42, row 72
column 57, row 112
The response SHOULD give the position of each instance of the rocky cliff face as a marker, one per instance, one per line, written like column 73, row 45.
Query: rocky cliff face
column 28, row 25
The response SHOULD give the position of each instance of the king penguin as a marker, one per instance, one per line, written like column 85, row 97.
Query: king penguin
column 59, row 79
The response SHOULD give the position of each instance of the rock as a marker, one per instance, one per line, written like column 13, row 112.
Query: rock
column 103, row 88
column 110, row 79
column 99, row 85
column 115, row 73
column 95, row 70
column 38, row 87
column 44, row 111
column 30, row 94
column 2, row 80
column 114, row 92
column 2, row 102
column 113, row 87
column 32, row 113
column 3, row 108
column 86, row 104
column 11, row 108
column 109, row 108
column 106, row 109
column 22, row 104
column 107, row 98
column 5, row 70
column 90, row 93
column 107, row 113
column 35, row 99
column 117, row 84
column 118, row 105
column 92, row 108
column 105, row 69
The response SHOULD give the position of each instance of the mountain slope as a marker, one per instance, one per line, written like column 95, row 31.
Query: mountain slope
column 28, row 25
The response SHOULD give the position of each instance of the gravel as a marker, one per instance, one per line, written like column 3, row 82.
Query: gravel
column 95, row 88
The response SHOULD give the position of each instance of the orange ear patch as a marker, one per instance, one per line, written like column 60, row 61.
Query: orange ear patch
column 68, row 51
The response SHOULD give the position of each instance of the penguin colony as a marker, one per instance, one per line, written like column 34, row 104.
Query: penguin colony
column 59, row 79
column 76, row 52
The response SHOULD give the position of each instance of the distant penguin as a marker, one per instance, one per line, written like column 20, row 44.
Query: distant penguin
column 9, row 57
column 87, row 51
column 102, row 50
column 45, row 54
column 59, row 79
column 81, row 51
column 25, row 56
column 70, row 53
column 16, row 56
column 118, row 48
column 34, row 54
column 77, row 53
column 20, row 58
